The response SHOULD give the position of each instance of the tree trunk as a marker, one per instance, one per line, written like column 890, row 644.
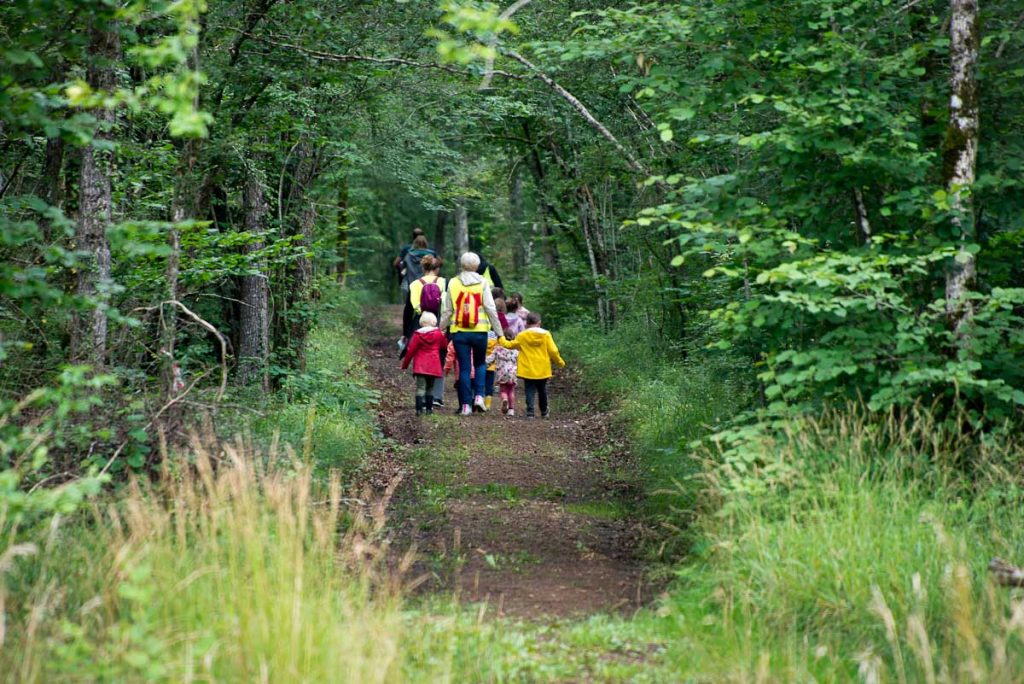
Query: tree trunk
column 860, row 211
column 254, row 323
column 515, row 216
column 89, row 329
column 440, row 232
column 343, row 237
column 585, row 216
column 960, row 154
column 53, row 185
column 183, row 208
column 302, row 286
column 461, row 230
column 298, row 219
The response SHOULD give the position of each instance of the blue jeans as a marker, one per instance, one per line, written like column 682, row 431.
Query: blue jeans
column 471, row 351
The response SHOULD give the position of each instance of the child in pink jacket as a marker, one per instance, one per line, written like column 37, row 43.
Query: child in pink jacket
column 506, row 373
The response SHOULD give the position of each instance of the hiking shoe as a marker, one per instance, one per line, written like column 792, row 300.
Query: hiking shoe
column 466, row 410
column 504, row 405
column 546, row 415
column 438, row 403
column 479, row 405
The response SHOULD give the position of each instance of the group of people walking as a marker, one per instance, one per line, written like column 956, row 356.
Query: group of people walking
column 467, row 327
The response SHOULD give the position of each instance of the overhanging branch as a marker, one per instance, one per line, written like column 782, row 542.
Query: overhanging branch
column 388, row 61
column 631, row 160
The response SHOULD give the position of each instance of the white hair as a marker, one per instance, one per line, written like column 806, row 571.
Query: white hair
column 469, row 262
column 428, row 320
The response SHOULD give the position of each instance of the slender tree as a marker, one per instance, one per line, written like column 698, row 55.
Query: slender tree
column 461, row 216
column 254, row 318
column 89, row 334
column 960, row 156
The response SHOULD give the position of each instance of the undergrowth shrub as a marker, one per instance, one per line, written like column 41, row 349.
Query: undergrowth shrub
column 324, row 411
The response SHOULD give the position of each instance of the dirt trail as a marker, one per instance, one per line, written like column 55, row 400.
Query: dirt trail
column 526, row 516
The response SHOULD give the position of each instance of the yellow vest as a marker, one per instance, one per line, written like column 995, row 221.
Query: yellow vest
column 455, row 288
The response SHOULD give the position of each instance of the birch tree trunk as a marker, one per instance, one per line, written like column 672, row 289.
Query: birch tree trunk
column 960, row 154
column 461, row 230
column 89, row 329
column 586, row 214
column 254, row 319
column 183, row 207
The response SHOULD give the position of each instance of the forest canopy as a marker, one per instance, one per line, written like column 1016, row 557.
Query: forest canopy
column 826, row 193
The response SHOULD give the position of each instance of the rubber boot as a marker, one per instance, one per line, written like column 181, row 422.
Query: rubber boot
column 419, row 406
column 429, row 407
column 487, row 402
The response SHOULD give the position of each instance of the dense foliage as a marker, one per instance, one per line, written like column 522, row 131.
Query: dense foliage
column 742, row 215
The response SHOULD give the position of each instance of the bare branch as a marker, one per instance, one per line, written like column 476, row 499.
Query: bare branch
column 1006, row 40
column 493, row 43
column 631, row 160
column 208, row 326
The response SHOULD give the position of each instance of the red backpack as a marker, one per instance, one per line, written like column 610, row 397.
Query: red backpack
column 467, row 309
column 430, row 298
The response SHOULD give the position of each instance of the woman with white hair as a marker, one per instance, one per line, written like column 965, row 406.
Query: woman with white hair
column 468, row 308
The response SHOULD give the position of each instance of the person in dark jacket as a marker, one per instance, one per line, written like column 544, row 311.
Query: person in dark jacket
column 412, row 270
column 490, row 273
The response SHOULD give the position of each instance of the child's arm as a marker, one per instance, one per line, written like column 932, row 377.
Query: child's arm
column 410, row 351
column 449, row 359
column 509, row 344
column 553, row 352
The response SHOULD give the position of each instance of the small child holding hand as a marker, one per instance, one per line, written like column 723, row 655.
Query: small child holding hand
column 506, row 362
column 537, row 352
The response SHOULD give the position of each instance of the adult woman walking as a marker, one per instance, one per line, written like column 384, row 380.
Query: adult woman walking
column 468, row 308
column 427, row 294
column 412, row 270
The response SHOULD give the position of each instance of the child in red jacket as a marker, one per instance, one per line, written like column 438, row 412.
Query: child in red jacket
column 424, row 352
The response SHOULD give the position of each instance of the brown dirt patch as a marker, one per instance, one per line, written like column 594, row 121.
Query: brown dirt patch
column 528, row 520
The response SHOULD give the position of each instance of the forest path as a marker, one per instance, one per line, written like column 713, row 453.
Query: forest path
column 525, row 516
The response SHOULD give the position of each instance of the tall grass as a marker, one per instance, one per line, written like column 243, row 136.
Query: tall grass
column 868, row 564
column 239, row 568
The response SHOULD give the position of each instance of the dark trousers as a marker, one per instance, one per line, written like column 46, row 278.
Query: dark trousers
column 471, row 351
column 489, row 384
column 408, row 319
column 538, row 389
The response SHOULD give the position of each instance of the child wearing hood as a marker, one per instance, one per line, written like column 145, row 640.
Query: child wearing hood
column 537, row 353
column 424, row 352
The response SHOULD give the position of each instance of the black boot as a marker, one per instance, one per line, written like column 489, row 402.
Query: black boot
column 419, row 406
column 429, row 404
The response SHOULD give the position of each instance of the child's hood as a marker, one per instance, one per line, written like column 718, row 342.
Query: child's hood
column 533, row 335
column 427, row 329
